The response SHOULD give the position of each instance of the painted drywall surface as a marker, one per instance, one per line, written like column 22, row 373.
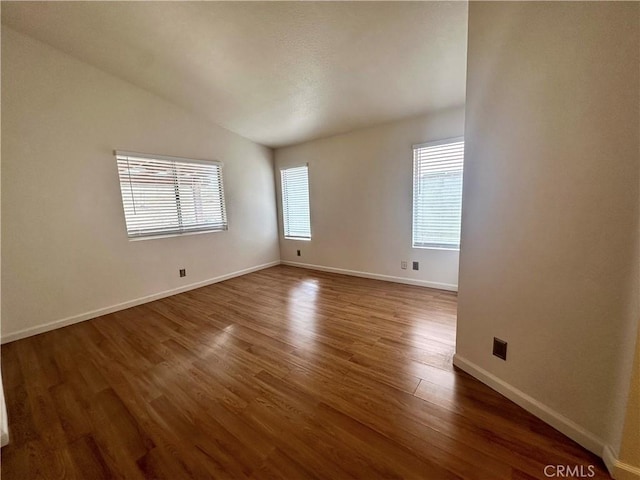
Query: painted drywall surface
column 276, row 72
column 549, row 253
column 65, row 249
column 361, row 199
column 4, row 430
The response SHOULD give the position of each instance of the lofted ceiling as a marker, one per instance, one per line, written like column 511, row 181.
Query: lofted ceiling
column 277, row 73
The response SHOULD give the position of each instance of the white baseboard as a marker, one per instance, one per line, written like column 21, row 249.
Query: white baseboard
column 610, row 459
column 375, row 276
column 619, row 470
column 4, row 429
column 558, row 421
column 28, row 332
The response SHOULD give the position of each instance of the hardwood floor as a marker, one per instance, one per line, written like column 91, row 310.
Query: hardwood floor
column 281, row 374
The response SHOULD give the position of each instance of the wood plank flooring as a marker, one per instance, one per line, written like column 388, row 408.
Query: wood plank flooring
column 280, row 374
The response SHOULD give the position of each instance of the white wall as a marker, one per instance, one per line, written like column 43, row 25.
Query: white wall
column 549, row 258
column 65, row 250
column 4, row 430
column 361, row 200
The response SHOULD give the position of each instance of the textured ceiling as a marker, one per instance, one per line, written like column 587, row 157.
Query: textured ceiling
column 277, row 73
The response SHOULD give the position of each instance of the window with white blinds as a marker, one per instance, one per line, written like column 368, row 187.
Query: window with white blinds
column 168, row 195
column 437, row 193
column 295, row 202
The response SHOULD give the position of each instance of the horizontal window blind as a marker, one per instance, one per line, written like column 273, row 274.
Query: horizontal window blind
column 437, row 193
column 295, row 202
column 168, row 196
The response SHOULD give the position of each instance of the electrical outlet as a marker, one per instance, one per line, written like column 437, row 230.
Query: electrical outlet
column 500, row 348
column 416, row 265
column 403, row 265
column 299, row 253
column 183, row 272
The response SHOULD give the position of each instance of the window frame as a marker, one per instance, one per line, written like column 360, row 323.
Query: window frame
column 181, row 231
column 282, row 199
column 435, row 143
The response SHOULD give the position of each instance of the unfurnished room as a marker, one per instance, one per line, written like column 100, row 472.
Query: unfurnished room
column 320, row 240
